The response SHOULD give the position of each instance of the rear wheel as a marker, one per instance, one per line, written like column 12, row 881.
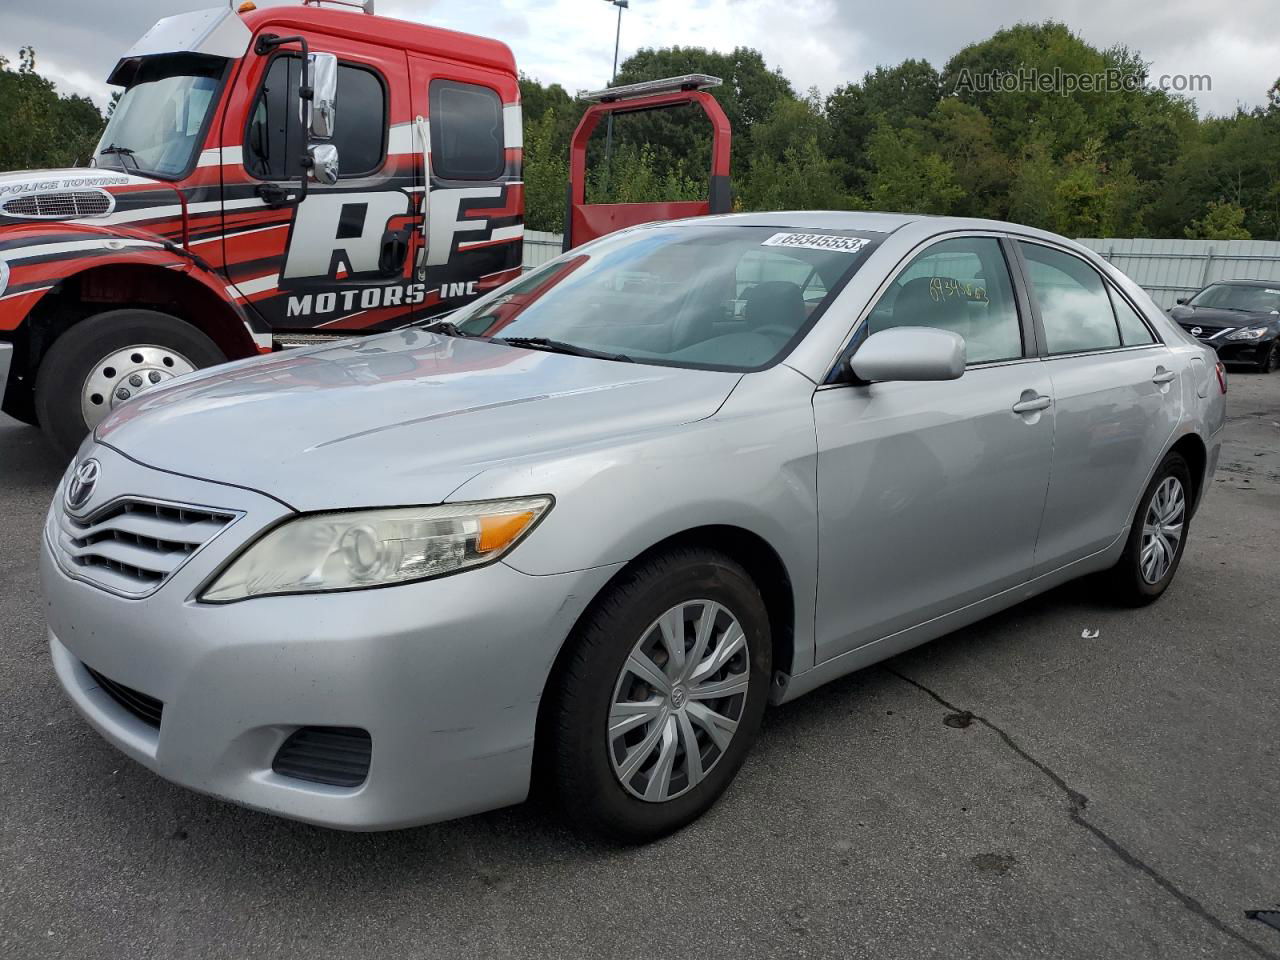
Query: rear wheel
column 109, row 359
column 662, row 696
column 1158, row 536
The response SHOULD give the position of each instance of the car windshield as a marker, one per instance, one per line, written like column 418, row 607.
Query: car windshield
column 155, row 128
column 1239, row 296
column 711, row 296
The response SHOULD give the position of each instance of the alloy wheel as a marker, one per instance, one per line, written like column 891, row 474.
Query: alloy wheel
column 122, row 375
column 678, row 700
column 1162, row 529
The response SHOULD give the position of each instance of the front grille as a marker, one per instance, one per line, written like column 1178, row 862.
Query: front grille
column 145, row 708
column 338, row 756
column 66, row 205
column 132, row 546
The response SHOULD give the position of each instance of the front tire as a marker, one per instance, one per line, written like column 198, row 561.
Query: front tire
column 1158, row 536
column 661, row 696
column 108, row 359
column 1272, row 359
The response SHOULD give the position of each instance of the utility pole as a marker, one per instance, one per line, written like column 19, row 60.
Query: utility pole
column 608, row 136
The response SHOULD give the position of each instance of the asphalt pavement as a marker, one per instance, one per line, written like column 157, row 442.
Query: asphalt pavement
column 1067, row 779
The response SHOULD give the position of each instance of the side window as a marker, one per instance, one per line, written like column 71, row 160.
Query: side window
column 273, row 146
column 1133, row 332
column 1074, row 306
column 361, row 130
column 466, row 131
column 275, row 139
column 961, row 285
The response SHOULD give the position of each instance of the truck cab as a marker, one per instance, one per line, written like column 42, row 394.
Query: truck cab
column 268, row 177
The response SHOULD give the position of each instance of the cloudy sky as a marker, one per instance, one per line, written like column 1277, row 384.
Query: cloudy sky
column 818, row 43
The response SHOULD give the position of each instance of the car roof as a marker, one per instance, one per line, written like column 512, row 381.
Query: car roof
column 874, row 221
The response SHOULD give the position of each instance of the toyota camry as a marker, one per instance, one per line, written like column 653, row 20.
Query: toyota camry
column 598, row 521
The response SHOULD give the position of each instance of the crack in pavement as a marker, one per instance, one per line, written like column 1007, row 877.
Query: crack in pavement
column 1077, row 803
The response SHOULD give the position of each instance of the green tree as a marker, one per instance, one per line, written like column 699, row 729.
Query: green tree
column 906, row 176
column 38, row 127
column 1221, row 221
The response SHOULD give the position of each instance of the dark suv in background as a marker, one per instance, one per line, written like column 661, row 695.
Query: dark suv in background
column 1240, row 319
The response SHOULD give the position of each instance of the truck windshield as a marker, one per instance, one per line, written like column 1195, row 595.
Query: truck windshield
column 711, row 296
column 155, row 128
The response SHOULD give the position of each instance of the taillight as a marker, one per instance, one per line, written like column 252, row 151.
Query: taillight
column 1222, row 377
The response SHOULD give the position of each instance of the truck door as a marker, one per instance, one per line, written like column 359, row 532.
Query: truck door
column 342, row 258
column 467, row 126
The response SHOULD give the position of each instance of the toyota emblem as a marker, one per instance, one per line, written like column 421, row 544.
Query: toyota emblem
column 1196, row 331
column 83, row 480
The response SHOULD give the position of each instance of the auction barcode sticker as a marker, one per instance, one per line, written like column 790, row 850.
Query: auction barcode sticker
column 816, row 241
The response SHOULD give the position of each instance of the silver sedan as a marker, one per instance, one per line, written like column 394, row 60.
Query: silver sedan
column 601, row 518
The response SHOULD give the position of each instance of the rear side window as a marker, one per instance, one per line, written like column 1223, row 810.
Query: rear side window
column 1074, row 305
column 960, row 285
column 1133, row 332
column 275, row 141
column 466, row 131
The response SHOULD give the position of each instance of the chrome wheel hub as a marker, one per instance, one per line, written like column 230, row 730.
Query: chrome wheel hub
column 121, row 376
column 678, row 700
column 1162, row 529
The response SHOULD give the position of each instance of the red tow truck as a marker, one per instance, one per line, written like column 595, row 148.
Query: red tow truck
column 273, row 177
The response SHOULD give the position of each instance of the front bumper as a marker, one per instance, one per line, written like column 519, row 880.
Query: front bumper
column 1242, row 351
column 445, row 675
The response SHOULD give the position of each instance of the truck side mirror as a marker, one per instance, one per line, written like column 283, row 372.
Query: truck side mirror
column 321, row 111
column 323, row 165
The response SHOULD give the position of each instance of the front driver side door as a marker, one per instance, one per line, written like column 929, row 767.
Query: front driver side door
column 930, row 493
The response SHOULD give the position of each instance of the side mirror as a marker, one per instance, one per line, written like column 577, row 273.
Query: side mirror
column 321, row 111
column 910, row 353
column 1181, row 301
column 323, row 166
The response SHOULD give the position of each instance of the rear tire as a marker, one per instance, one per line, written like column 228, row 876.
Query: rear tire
column 78, row 376
column 608, row 782
column 1158, row 536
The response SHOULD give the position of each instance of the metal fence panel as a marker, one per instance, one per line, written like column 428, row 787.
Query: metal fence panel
column 539, row 247
column 1169, row 269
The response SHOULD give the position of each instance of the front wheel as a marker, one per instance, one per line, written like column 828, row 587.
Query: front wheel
column 661, row 697
column 1272, row 360
column 107, row 360
column 1158, row 536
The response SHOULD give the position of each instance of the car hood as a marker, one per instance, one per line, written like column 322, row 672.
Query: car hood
column 402, row 418
column 1216, row 317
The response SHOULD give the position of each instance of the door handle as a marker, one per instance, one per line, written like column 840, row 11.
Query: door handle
column 1033, row 405
column 1164, row 376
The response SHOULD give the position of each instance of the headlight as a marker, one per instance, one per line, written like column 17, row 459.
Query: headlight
column 1249, row 333
column 373, row 548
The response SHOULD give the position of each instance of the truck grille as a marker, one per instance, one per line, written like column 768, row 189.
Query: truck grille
column 66, row 205
column 147, row 709
column 132, row 546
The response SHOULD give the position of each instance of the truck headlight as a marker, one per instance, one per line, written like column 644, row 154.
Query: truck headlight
column 1249, row 333
column 353, row 549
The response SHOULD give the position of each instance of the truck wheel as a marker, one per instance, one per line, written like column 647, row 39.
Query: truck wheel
column 107, row 360
column 661, row 697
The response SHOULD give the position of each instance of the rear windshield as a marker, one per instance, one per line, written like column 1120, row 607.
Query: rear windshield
column 708, row 296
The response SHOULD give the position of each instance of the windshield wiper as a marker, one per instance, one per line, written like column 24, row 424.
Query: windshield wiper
column 559, row 346
column 124, row 153
column 447, row 327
